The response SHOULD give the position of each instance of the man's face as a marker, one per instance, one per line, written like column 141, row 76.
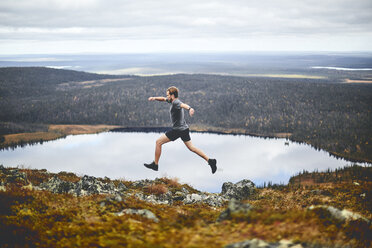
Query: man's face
column 168, row 95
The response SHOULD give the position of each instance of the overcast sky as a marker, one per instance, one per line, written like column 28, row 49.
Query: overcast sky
column 120, row 26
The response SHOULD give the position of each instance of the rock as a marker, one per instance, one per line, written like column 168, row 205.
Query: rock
column 86, row 186
column 254, row 243
column 185, row 191
column 241, row 190
column 13, row 176
column 122, row 187
column 179, row 196
column 56, row 185
column 89, row 185
column 156, row 200
column 28, row 187
column 341, row 215
column 142, row 212
column 235, row 207
column 214, row 200
column 110, row 200
column 142, row 183
column 257, row 243
column 2, row 188
column 284, row 243
column 193, row 198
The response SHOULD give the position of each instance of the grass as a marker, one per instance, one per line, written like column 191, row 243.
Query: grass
column 30, row 218
column 54, row 132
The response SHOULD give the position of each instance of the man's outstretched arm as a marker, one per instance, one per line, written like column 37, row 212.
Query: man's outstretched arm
column 157, row 98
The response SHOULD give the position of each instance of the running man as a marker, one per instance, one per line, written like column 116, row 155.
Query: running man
column 179, row 130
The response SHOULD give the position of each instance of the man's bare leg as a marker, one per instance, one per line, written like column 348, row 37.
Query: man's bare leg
column 159, row 142
column 212, row 162
column 196, row 150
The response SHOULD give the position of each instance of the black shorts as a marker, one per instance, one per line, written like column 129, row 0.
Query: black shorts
column 175, row 134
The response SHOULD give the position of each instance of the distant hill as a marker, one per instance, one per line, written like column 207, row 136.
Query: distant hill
column 31, row 81
column 333, row 116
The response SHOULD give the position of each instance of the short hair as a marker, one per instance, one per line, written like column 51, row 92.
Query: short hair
column 173, row 91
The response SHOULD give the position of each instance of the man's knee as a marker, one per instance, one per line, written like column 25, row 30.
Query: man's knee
column 160, row 142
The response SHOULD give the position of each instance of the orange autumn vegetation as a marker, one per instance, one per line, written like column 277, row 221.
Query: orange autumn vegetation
column 30, row 218
column 54, row 132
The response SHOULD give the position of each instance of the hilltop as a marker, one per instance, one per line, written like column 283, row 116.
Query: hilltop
column 44, row 209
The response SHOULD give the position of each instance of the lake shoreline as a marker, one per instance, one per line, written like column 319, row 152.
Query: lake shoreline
column 58, row 131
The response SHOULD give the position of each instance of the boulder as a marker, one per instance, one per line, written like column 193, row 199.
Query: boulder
column 235, row 207
column 193, row 198
column 257, row 243
column 2, row 186
column 89, row 185
column 179, row 196
column 56, row 185
column 213, row 200
column 241, row 190
column 157, row 200
column 141, row 212
column 341, row 215
column 13, row 176
column 254, row 243
column 111, row 199
column 121, row 187
column 142, row 183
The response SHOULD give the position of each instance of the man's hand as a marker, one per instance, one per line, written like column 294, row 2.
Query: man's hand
column 151, row 98
column 191, row 112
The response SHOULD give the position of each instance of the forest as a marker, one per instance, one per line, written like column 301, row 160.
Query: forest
column 325, row 113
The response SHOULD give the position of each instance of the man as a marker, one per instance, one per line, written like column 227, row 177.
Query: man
column 179, row 130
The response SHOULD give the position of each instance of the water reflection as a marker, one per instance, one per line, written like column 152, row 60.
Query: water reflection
column 121, row 155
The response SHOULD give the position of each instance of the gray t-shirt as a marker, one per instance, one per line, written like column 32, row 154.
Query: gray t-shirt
column 177, row 115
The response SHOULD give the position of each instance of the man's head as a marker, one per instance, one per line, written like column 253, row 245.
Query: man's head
column 172, row 91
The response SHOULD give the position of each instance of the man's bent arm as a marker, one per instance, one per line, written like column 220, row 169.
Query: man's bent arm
column 191, row 110
column 157, row 98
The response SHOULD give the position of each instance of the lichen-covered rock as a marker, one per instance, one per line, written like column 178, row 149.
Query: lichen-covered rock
column 111, row 199
column 56, row 185
column 13, row 176
column 235, row 207
column 121, row 187
column 142, row 183
column 193, row 198
column 257, row 243
column 179, row 196
column 241, row 190
column 141, row 212
column 213, row 200
column 341, row 215
column 254, row 243
column 89, row 185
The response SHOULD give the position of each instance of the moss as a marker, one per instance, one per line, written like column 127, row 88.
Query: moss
column 30, row 218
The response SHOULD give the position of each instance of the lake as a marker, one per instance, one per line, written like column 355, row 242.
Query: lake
column 120, row 155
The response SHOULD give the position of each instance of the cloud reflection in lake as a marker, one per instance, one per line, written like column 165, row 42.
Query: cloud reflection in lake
column 121, row 155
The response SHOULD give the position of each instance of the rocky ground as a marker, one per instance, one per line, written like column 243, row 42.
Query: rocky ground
column 43, row 209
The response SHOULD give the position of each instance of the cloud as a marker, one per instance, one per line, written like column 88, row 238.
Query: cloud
column 174, row 19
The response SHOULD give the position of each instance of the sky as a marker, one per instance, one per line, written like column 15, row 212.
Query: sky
column 145, row 26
